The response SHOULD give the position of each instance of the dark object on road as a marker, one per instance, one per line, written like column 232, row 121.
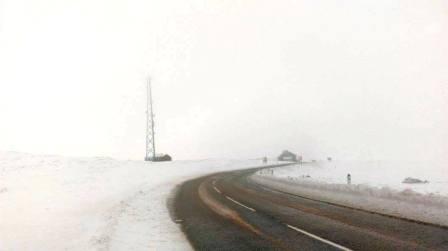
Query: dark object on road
column 287, row 156
column 160, row 158
column 410, row 180
column 329, row 159
column 349, row 179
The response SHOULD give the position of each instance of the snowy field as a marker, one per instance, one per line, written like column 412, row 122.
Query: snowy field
column 375, row 186
column 56, row 203
column 375, row 173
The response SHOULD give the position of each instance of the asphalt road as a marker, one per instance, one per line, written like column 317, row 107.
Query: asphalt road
column 227, row 211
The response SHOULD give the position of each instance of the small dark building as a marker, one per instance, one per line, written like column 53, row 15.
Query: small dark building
column 160, row 158
column 287, row 156
column 164, row 157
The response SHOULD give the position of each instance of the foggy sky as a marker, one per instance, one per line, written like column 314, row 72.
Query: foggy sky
column 363, row 79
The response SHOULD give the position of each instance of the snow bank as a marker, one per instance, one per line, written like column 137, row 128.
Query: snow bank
column 377, row 174
column 327, row 182
column 55, row 203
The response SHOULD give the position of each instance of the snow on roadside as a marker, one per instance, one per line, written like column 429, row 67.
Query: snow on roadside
column 377, row 174
column 373, row 189
column 56, row 203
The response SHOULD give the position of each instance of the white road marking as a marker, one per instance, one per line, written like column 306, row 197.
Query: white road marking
column 217, row 190
column 318, row 238
column 239, row 203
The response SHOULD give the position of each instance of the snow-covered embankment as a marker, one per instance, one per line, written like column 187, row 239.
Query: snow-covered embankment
column 389, row 195
column 56, row 203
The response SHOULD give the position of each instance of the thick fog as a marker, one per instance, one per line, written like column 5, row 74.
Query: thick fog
column 364, row 79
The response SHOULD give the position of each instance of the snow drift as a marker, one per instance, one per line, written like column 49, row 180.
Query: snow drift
column 318, row 181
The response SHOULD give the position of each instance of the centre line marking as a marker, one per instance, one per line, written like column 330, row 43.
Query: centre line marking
column 239, row 203
column 217, row 190
column 319, row 238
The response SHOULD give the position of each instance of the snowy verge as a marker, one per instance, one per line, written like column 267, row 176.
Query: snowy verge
column 58, row 203
column 404, row 204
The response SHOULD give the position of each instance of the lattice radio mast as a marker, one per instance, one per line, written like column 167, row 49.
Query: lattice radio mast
column 150, row 140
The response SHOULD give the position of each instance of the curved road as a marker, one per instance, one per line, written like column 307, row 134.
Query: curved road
column 227, row 211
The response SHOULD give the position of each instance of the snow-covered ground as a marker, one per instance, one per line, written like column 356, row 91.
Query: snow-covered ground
column 375, row 186
column 376, row 174
column 56, row 203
